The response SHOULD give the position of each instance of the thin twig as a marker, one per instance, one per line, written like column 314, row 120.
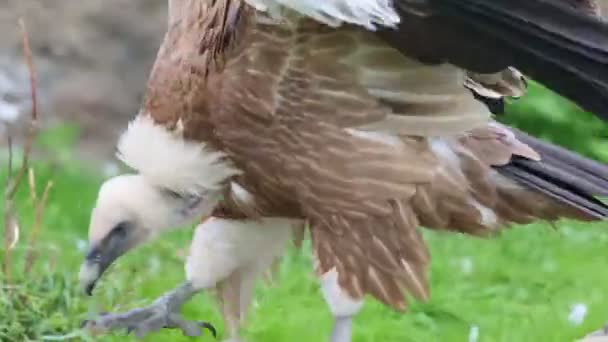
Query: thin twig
column 33, row 123
column 32, row 181
column 52, row 258
column 40, row 206
column 13, row 183
column 30, row 67
column 9, row 139
column 8, row 212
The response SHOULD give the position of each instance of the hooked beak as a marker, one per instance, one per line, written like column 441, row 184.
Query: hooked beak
column 101, row 256
column 95, row 264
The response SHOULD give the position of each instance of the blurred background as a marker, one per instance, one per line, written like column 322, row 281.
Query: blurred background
column 92, row 59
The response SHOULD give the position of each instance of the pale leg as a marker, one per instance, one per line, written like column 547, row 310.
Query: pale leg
column 342, row 306
column 253, row 245
column 235, row 294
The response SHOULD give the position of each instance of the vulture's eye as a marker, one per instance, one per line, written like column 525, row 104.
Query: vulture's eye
column 121, row 230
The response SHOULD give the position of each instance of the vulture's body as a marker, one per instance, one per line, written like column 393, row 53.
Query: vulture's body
column 357, row 118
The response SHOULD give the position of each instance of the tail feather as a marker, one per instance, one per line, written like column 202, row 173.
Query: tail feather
column 582, row 168
column 555, row 188
column 562, row 175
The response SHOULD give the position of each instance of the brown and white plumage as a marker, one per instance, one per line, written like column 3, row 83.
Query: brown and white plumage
column 365, row 134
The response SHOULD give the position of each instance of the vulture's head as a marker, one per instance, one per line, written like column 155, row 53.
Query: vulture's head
column 129, row 211
column 177, row 182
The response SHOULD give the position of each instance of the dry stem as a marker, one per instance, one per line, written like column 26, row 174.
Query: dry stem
column 40, row 206
column 14, row 181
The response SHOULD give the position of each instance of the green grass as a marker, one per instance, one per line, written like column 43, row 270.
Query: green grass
column 519, row 286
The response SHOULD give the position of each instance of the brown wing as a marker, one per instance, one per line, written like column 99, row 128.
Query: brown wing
column 312, row 137
column 338, row 127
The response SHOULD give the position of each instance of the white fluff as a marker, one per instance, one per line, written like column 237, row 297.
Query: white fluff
column 166, row 159
column 367, row 13
column 220, row 247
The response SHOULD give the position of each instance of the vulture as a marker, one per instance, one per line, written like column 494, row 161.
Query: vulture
column 360, row 120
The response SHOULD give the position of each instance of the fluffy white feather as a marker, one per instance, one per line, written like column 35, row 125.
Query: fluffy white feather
column 367, row 13
column 166, row 159
column 220, row 247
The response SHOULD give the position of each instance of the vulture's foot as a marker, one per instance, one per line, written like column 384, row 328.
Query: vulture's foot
column 163, row 313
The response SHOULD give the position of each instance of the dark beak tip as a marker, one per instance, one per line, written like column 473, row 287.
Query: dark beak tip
column 89, row 289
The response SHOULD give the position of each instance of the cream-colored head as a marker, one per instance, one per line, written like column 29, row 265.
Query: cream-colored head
column 177, row 181
column 130, row 211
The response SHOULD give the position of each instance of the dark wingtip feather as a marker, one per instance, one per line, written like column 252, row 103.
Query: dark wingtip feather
column 584, row 169
column 555, row 184
column 565, row 49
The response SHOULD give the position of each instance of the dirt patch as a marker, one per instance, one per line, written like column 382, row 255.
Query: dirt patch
column 93, row 58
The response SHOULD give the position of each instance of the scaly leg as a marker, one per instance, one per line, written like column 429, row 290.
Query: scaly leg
column 163, row 313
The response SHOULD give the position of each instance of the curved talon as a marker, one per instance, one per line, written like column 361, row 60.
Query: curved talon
column 208, row 326
column 189, row 328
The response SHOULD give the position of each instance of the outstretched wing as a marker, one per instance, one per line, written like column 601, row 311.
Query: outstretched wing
column 560, row 43
column 338, row 126
column 325, row 121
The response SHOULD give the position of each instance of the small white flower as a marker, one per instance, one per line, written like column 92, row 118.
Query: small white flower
column 474, row 333
column 577, row 313
column 466, row 265
column 81, row 245
column 154, row 265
